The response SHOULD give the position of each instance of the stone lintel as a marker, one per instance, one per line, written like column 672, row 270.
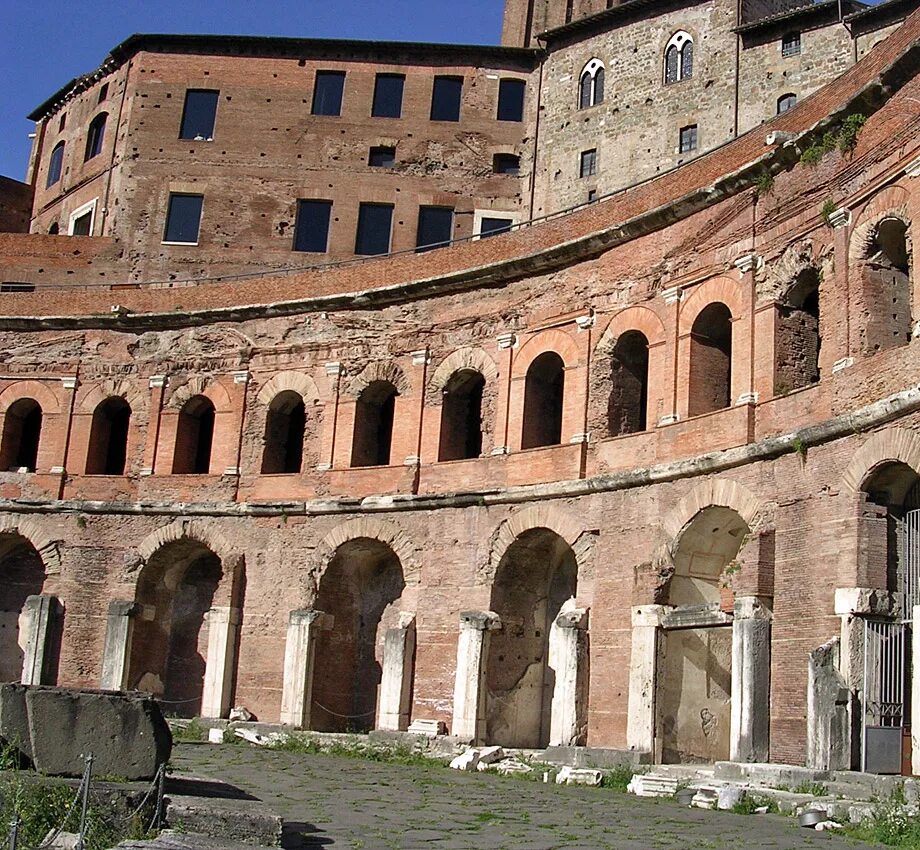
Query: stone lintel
column 866, row 600
column 649, row 615
column 695, row 616
column 125, row 608
column 481, row 621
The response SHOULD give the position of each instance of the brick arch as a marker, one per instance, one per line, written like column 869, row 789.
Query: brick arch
column 380, row 371
column 891, row 202
column 199, row 385
column 48, row 549
column 369, row 528
column 463, row 358
column 638, row 318
column 716, row 290
column 721, row 492
column 893, row 445
column 298, row 382
column 188, row 529
column 555, row 340
column 541, row 516
column 95, row 394
column 36, row 390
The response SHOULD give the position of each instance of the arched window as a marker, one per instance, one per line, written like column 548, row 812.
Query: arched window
column 798, row 335
column 373, row 435
column 22, row 428
column 461, row 416
column 711, row 360
column 284, row 430
column 108, row 438
column 194, row 437
column 54, row 229
column 55, row 164
column 627, row 406
column 887, row 286
column 95, row 136
column 591, row 84
column 785, row 103
column 544, row 389
column 678, row 57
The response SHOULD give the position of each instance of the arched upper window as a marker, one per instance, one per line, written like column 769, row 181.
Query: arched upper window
column 711, row 360
column 22, row 428
column 678, row 57
column 108, row 438
column 785, row 103
column 373, row 434
column 627, row 406
column 544, row 391
column 55, row 164
column 591, row 84
column 284, row 431
column 461, row 416
column 798, row 334
column 54, row 229
column 194, row 437
column 95, row 136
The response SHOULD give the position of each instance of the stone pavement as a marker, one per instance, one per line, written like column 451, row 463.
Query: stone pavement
column 336, row 802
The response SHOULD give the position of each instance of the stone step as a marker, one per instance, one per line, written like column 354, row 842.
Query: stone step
column 170, row 840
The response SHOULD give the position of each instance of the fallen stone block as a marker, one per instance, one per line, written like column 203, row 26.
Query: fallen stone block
column 215, row 736
column 705, row 798
column 466, row 761
column 512, row 765
column 252, row 737
column 431, row 728
column 578, row 776
column 239, row 713
column 55, row 728
column 650, row 785
column 730, row 796
column 490, row 755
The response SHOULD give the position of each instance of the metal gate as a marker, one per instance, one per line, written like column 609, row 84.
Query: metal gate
column 885, row 650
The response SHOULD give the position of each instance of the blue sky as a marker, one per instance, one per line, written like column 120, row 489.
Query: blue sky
column 45, row 43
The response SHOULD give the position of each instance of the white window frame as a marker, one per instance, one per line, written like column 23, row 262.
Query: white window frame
column 479, row 215
column 678, row 41
column 79, row 212
column 591, row 68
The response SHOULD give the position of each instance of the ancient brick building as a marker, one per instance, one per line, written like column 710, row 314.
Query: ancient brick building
column 640, row 475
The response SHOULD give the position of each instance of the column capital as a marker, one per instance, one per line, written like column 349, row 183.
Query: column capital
column 752, row 608
column 840, row 217
column 747, row 398
column 124, row 608
column 840, row 365
column 157, row 381
column 586, row 321
column 240, row 377
column 649, row 615
column 420, row 357
column 480, row 621
column 576, row 618
column 912, row 169
column 865, row 600
column 309, row 616
column 508, row 340
column 749, row 262
column 70, row 383
column 672, row 295
column 334, row 369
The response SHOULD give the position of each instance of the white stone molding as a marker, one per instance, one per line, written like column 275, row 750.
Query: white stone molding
column 240, row 377
column 747, row 398
column 508, row 340
column 668, row 419
column 157, row 381
column 586, row 321
column 840, row 217
column 334, row 369
column 420, row 357
column 672, row 295
column 912, row 169
column 841, row 364
column 749, row 262
column 70, row 382
column 469, row 720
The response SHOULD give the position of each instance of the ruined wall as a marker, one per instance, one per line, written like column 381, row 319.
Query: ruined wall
column 15, row 206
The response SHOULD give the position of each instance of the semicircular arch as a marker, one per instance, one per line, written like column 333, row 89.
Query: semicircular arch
column 288, row 381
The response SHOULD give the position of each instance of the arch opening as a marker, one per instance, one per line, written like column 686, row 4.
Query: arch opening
column 627, row 405
column 108, row 437
column 362, row 589
column 798, row 335
column 22, row 429
column 536, row 580
column 177, row 587
column 710, row 360
column 887, row 285
column 544, row 390
column 285, row 426
column 373, row 435
column 461, row 416
column 194, row 437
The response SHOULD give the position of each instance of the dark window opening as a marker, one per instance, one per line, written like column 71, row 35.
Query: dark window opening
column 285, row 426
column 569, row 10
column 55, row 164
column 785, row 103
column 96, row 136
column 103, row 92
column 108, row 438
column 671, row 64
column 592, row 196
column 382, row 156
column 82, row 225
column 9, row 286
column 55, row 229
column 544, row 389
column 798, row 335
column 311, row 228
column 374, row 225
column 22, row 428
column 461, row 416
column 588, row 163
column 887, row 290
column 327, row 92
column 388, row 96
column 62, row 123
column 435, row 228
column 688, row 137
column 511, row 100
column 183, row 218
column 506, row 163
column 199, row 114
column 445, row 98
column 194, row 437
column 711, row 360
column 373, row 434
column 584, row 90
column 591, row 85
column 686, row 60
column 493, row 226
column 792, row 44
column 627, row 407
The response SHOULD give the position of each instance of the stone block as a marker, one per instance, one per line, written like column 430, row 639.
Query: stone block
column 649, row 785
column 730, row 796
column 490, row 755
column 56, row 727
column 578, row 776
column 466, row 761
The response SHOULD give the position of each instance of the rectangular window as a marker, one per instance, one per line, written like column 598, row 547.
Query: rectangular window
column 494, row 226
column 435, row 227
column 82, row 224
column 388, row 95
column 311, row 230
column 792, row 44
column 588, row 166
column 17, row 287
column 382, row 156
column 327, row 92
column 688, row 138
column 511, row 100
column 183, row 218
column 103, row 92
column 506, row 163
column 445, row 98
column 199, row 114
column 374, row 224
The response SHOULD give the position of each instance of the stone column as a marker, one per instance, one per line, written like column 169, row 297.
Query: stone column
column 218, row 674
column 304, row 626
column 469, row 686
column 394, row 704
column 116, row 654
column 640, row 723
column 750, row 718
column 829, row 707
column 915, row 696
column 568, row 657
column 38, row 624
